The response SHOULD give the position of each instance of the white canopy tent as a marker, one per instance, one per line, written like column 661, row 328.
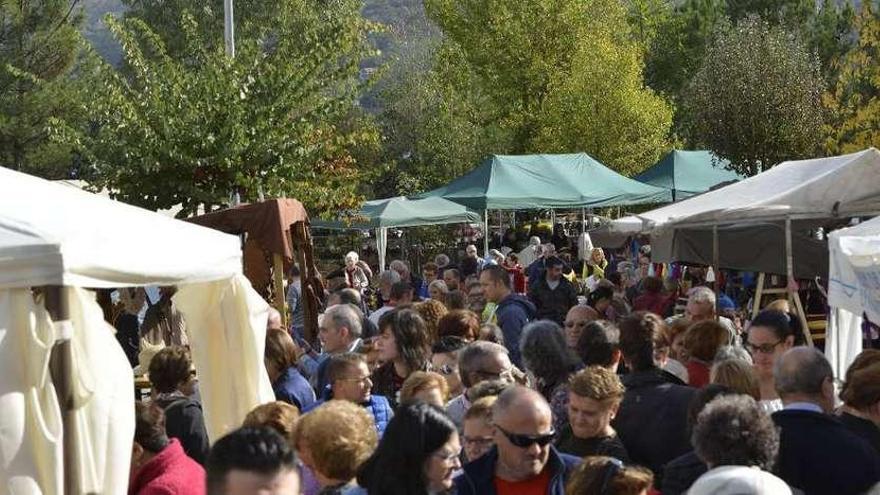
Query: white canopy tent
column 843, row 185
column 853, row 288
column 55, row 236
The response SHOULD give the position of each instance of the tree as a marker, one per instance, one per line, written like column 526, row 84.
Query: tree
column 854, row 102
column 683, row 37
column 38, row 48
column 756, row 99
column 279, row 119
column 536, row 64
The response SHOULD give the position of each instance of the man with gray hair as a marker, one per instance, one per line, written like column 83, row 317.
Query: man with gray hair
column 524, row 459
column 817, row 453
column 701, row 307
column 387, row 279
column 478, row 362
column 406, row 275
column 339, row 332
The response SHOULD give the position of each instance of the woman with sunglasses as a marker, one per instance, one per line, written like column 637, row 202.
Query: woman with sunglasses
column 418, row 455
column 770, row 334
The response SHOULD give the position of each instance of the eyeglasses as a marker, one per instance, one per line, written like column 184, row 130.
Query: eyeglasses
column 362, row 379
column 478, row 440
column 501, row 375
column 446, row 370
column 448, row 456
column 526, row 441
column 763, row 348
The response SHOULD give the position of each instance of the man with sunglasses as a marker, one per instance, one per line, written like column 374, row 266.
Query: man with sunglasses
column 523, row 461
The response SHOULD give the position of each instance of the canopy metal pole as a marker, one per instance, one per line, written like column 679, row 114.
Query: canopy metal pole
column 486, row 233
column 584, row 218
column 715, row 262
column 381, row 246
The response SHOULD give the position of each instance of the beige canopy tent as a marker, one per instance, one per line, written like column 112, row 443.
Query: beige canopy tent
column 66, row 389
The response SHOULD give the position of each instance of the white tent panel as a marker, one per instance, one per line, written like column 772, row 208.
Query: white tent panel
column 841, row 184
column 854, row 277
column 53, row 234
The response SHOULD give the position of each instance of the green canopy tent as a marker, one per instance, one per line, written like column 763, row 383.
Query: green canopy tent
column 522, row 182
column 688, row 173
column 380, row 214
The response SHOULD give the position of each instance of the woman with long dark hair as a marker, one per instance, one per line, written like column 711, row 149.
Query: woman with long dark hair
column 404, row 347
column 418, row 455
column 770, row 334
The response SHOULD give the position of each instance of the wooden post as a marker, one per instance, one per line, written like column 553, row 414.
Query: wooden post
column 61, row 368
column 278, row 284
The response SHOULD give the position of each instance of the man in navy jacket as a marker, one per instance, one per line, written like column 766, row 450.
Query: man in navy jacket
column 817, row 453
column 513, row 311
column 524, row 459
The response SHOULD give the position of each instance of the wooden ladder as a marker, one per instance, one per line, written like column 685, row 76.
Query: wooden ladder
column 793, row 297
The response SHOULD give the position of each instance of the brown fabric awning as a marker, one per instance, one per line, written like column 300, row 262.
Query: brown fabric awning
column 268, row 223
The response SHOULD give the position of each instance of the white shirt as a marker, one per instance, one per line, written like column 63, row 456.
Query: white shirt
column 375, row 315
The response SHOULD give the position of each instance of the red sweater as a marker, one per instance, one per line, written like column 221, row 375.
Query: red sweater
column 171, row 472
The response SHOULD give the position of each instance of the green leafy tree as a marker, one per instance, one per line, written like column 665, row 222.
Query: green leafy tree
column 683, row 37
column 535, row 65
column 39, row 45
column 279, row 119
column 756, row 98
column 854, row 102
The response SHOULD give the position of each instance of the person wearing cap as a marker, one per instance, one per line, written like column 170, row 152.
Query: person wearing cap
column 553, row 295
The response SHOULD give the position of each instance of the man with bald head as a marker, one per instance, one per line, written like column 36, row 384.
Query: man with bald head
column 577, row 318
column 817, row 453
column 524, row 460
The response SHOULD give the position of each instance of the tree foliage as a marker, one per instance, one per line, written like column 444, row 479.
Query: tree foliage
column 682, row 38
column 279, row 119
column 756, row 98
column 529, row 66
column 38, row 48
column 854, row 102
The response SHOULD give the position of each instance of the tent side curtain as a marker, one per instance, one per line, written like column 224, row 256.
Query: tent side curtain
column 519, row 182
column 403, row 212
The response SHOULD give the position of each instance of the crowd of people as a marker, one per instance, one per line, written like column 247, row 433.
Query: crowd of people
column 524, row 373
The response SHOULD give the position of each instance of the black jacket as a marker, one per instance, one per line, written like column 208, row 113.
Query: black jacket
column 652, row 420
column 681, row 473
column 819, row 455
column 478, row 476
column 185, row 422
column 553, row 304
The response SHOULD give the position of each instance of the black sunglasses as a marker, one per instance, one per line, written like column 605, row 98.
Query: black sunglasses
column 525, row 441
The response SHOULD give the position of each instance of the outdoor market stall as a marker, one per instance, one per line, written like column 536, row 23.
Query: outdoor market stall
column 688, row 173
column 773, row 222
column 276, row 234
column 66, row 387
column 382, row 214
column 522, row 182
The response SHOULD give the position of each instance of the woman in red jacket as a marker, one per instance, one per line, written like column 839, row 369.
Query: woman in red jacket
column 158, row 465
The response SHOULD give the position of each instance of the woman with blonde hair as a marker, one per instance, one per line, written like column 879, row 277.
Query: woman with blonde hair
column 736, row 375
column 425, row 386
column 333, row 441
